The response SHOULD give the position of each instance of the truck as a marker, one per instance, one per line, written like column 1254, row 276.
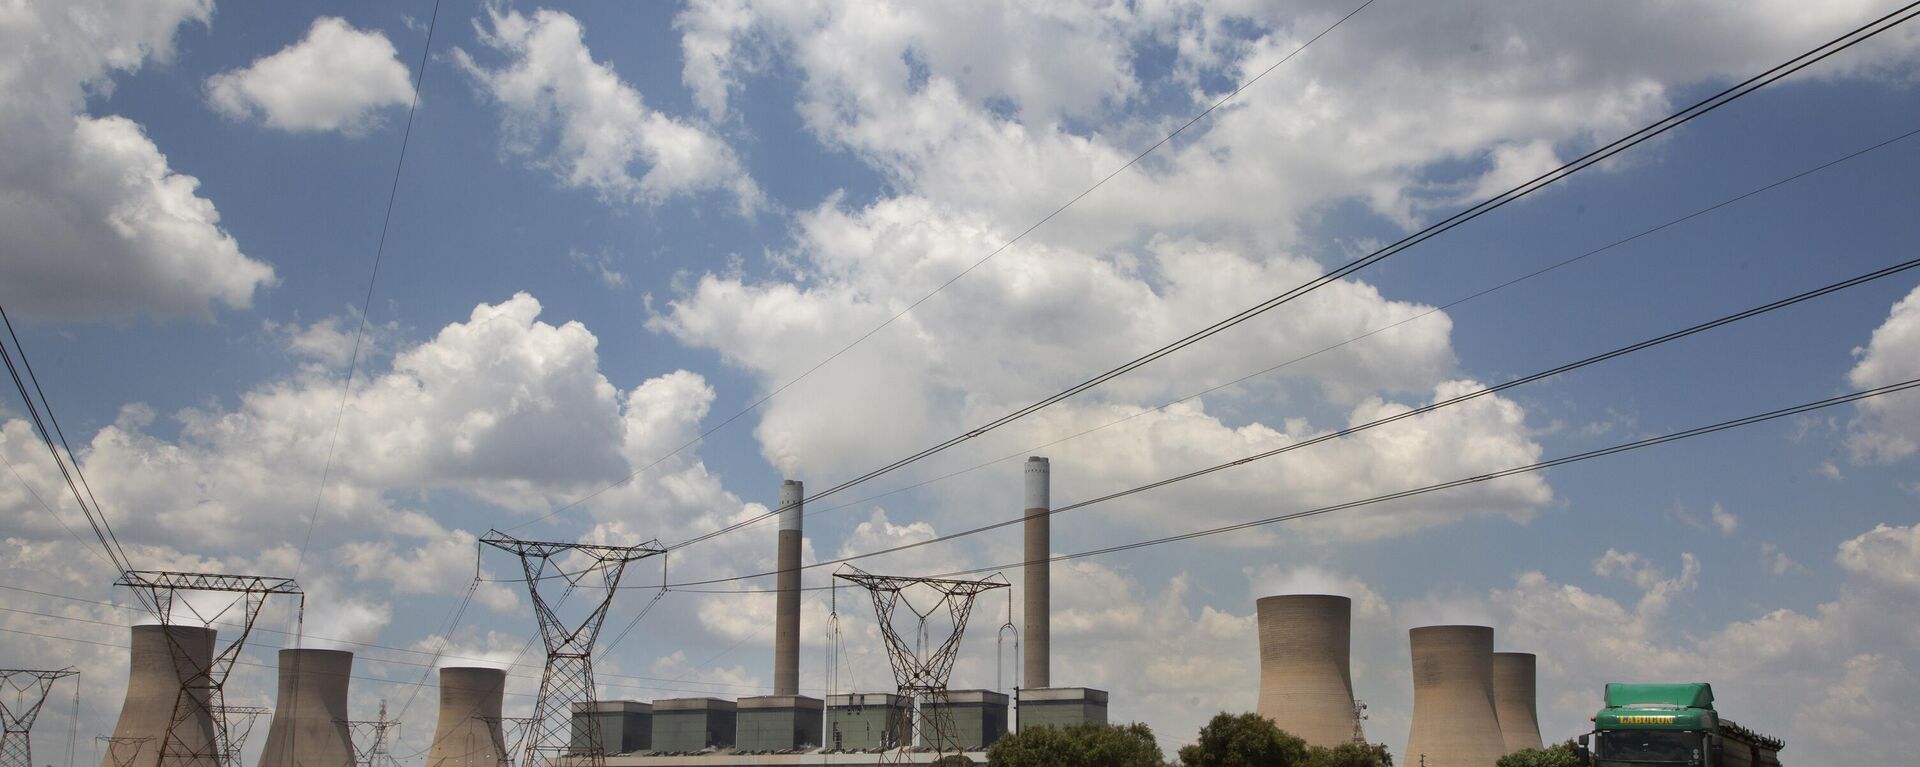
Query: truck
column 1651, row 724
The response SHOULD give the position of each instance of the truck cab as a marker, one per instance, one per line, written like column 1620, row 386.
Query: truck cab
column 1672, row 724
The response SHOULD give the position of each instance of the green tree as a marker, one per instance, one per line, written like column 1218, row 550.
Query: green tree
column 1350, row 755
column 1082, row 745
column 1558, row 755
column 1245, row 740
column 952, row 760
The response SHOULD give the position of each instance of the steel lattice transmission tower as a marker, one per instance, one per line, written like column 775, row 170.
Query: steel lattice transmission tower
column 568, row 676
column 240, row 721
column 22, row 693
column 203, row 690
column 921, row 668
column 372, row 741
column 121, row 752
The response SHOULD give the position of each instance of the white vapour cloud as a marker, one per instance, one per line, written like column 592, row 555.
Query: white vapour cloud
column 337, row 78
column 94, row 222
column 1883, row 428
column 566, row 112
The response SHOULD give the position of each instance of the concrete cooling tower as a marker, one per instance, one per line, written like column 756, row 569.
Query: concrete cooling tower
column 1306, row 686
column 1513, row 700
column 309, row 726
column 468, row 734
column 162, row 658
column 1454, row 723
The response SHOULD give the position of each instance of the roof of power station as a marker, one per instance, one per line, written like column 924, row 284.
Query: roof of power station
column 162, row 659
column 309, row 727
column 1306, row 686
column 468, row 733
column 1513, row 700
column 1454, row 723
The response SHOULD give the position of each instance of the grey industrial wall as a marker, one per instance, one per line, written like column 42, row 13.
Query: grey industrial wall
column 1454, row 723
column 777, row 723
column 679, row 728
column 468, row 731
column 309, row 727
column 865, row 722
column 1062, row 707
column 625, row 727
column 160, row 659
column 1513, row 700
column 1306, row 686
column 976, row 725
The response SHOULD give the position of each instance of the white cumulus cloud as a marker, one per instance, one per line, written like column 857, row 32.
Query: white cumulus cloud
column 337, row 78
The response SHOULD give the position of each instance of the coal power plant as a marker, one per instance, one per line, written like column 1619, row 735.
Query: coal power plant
column 468, row 733
column 1454, row 722
column 160, row 712
column 309, row 727
column 1306, row 687
column 1513, row 691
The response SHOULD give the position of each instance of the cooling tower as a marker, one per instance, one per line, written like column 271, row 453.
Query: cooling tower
column 1036, row 638
column 468, row 734
column 161, row 659
column 309, row 726
column 786, row 610
column 1513, row 700
column 1306, row 686
column 1454, row 724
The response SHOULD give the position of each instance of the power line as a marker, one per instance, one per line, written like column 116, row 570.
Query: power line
column 1777, row 183
column 1594, row 157
column 1412, row 413
column 366, row 304
column 963, row 273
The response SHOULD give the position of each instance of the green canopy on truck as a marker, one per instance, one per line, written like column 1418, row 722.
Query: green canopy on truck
column 1690, row 695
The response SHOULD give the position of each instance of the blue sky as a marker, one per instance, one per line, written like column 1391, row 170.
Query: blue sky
column 619, row 224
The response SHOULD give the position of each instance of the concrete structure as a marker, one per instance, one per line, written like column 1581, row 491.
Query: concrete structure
column 824, row 757
column 681, row 725
column 1306, row 685
column 1513, row 702
column 870, row 721
column 1037, row 636
column 162, row 658
column 786, row 605
column 778, row 723
column 625, row 726
column 1062, row 707
column 309, row 727
column 468, row 734
column 1454, row 724
column 978, row 718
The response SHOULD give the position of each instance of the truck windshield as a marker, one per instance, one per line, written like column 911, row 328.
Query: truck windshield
column 1629, row 748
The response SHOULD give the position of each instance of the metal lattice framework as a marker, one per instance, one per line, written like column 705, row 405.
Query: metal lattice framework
column 123, row 752
column 372, row 741
column 513, row 730
column 920, row 668
column 568, row 676
column 240, row 721
column 204, row 688
column 22, row 693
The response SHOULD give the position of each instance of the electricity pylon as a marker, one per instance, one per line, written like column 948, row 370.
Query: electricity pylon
column 22, row 693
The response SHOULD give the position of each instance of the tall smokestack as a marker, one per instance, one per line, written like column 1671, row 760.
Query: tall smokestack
column 1306, row 685
column 786, row 606
column 309, row 726
column 1454, row 724
column 162, row 659
column 1513, row 700
column 1037, row 637
column 468, row 734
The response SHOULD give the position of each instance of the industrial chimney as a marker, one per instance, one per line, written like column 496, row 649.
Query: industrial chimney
column 309, row 726
column 1037, row 636
column 1454, row 724
column 1513, row 700
column 1306, row 686
column 162, row 659
column 468, row 734
column 786, row 609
